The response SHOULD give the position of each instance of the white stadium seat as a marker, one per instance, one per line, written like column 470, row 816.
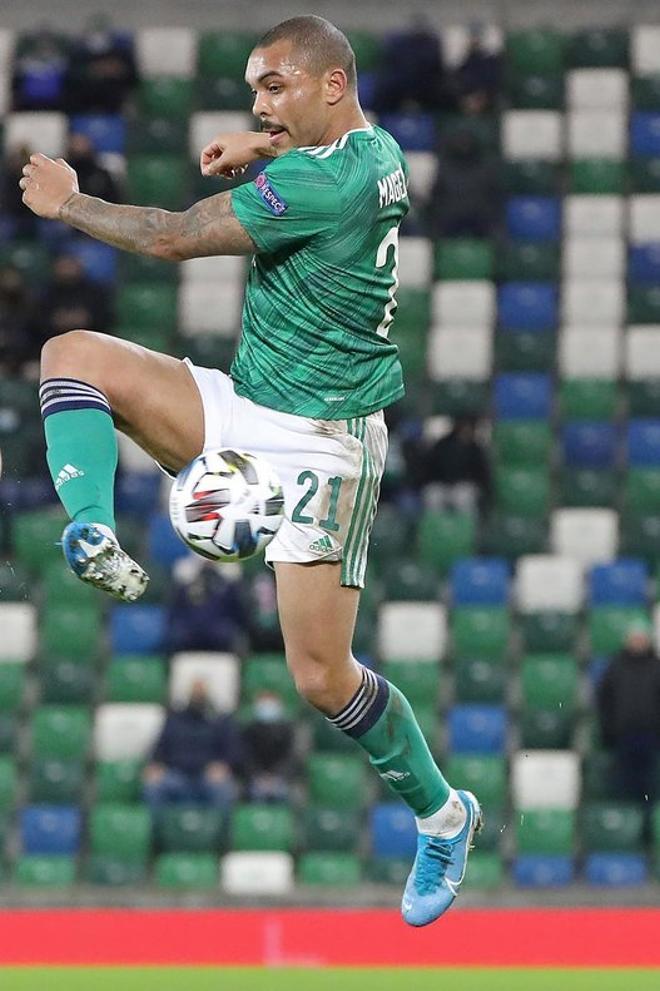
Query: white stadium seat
column 18, row 631
column 590, row 352
column 422, row 166
column 220, row 671
column 548, row 582
column 597, row 89
column 125, row 731
column 462, row 352
column 589, row 535
column 219, row 269
column 590, row 257
column 594, row 216
column 642, row 352
column 597, row 133
column 592, row 301
column 257, row 873
column 463, row 303
column 205, row 124
column 415, row 262
column 533, row 134
column 414, row 631
column 456, row 40
column 645, row 217
column 166, row 52
column 132, row 457
column 6, row 55
column 41, row 130
column 545, row 779
column 645, row 49
column 206, row 308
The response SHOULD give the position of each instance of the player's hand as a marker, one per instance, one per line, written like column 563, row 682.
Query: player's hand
column 228, row 155
column 47, row 185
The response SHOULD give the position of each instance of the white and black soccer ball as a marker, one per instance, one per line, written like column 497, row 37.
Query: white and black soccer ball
column 227, row 505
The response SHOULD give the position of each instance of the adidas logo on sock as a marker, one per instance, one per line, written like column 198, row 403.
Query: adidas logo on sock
column 395, row 775
column 322, row 546
column 66, row 474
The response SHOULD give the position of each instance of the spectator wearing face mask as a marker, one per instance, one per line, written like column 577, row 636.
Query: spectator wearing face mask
column 268, row 740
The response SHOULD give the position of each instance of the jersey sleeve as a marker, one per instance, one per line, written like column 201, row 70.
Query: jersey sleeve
column 294, row 199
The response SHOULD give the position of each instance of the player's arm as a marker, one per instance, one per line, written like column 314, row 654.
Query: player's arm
column 209, row 227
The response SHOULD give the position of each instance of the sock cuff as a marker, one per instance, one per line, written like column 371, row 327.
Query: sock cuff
column 366, row 707
column 58, row 395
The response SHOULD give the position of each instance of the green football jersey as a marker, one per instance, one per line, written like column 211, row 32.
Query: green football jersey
column 320, row 297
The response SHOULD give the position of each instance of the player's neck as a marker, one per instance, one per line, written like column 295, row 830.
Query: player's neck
column 352, row 120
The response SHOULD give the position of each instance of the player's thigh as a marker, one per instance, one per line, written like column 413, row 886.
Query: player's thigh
column 154, row 398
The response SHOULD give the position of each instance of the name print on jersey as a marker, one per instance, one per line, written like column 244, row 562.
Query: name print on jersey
column 392, row 188
column 275, row 203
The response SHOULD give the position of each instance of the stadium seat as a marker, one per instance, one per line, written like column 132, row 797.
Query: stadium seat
column 485, row 871
column 645, row 133
column 479, row 581
column 224, row 53
column 623, row 582
column 477, row 729
column 146, row 305
column 543, row 871
column 480, row 631
column 462, row 352
column 590, row 352
column 599, row 47
column 413, row 131
column 190, row 829
column 262, row 827
column 645, row 92
column 522, row 396
column 527, row 306
column 466, row 303
column 60, row 732
column 483, row 774
column 257, row 873
column 644, row 263
column 589, row 444
column 536, row 92
column 161, row 133
column 521, row 443
column 458, row 259
column 8, row 781
column 641, row 492
column 645, row 48
column 598, row 176
column 118, row 781
column 336, row 780
column 533, row 218
column 422, row 166
column 592, row 301
column 220, row 671
column 645, row 175
column 532, row 134
column 616, row 869
column 67, row 682
column 525, row 350
column 442, row 538
column 43, row 129
column 589, row 258
column 12, row 684
column 71, row 630
column 549, row 630
column 547, row 729
column 549, row 681
column 643, row 305
column 111, row 871
column 594, row 216
column 479, row 680
column 535, row 50
column 416, row 262
column 126, row 731
column 588, row 398
column 612, row 827
column 392, row 831
column 136, row 493
column 589, row 535
column 8, row 728
column 56, row 781
column 597, row 89
column 18, row 622
column 136, row 680
column 412, row 630
column 549, row 583
column 644, row 442
column 329, row 869
column 528, row 261
column 531, row 176
column 410, row 581
column 186, row 871
column 331, row 829
column 596, row 133
column 137, row 629
column 210, row 309
column 50, row 829
column 418, row 680
column 166, row 96
column 525, row 491
column 45, row 871
column 644, row 215
column 120, row 831
column 608, row 626
column 547, row 779
column 161, row 51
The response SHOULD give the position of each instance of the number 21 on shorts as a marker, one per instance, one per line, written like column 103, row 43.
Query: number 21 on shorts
column 311, row 480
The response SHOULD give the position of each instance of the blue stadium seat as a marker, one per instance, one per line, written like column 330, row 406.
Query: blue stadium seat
column 50, row 829
column 537, row 870
column 644, row 443
column 623, row 582
column 137, row 492
column 480, row 581
column 589, row 444
column 98, row 260
column 527, row 306
column 107, row 132
column 614, row 869
column 393, row 831
column 414, row 132
column 163, row 544
column 645, row 133
column 477, row 729
column 644, row 263
column 534, row 218
column 137, row 629
column 522, row 395
column 595, row 670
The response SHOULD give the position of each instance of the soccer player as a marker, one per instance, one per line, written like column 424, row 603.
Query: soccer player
column 307, row 388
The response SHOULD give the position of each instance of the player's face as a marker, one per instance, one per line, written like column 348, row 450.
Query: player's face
column 288, row 100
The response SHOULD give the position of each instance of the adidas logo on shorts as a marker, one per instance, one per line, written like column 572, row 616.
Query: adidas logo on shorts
column 322, row 546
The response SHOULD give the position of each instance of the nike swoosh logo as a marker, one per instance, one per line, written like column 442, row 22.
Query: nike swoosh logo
column 453, row 886
column 406, row 905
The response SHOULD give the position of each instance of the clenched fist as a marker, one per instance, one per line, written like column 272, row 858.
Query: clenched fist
column 47, row 185
column 228, row 155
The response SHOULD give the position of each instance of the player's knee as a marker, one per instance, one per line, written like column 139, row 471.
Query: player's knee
column 313, row 681
column 76, row 349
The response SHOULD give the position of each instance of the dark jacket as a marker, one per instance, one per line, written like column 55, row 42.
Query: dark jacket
column 268, row 747
column 191, row 739
column 628, row 697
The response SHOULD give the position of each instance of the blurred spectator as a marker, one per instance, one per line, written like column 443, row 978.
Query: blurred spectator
column 476, row 81
column 412, row 73
column 39, row 70
column 263, row 622
column 19, row 342
column 207, row 610
column 466, row 197
column 72, row 301
column 102, row 70
column 458, row 474
column 268, row 740
column 628, row 699
column 195, row 758
column 93, row 179
column 11, row 195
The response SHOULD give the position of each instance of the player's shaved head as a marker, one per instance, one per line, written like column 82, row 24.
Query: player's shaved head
column 317, row 42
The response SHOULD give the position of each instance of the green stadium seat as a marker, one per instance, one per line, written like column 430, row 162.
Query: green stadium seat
column 109, row 870
column 15, row 584
column 645, row 92
column 222, row 93
column 643, row 397
column 326, row 737
column 21, row 396
column 36, row 537
column 368, row 49
column 641, row 491
column 120, row 832
column 528, row 261
column 157, row 180
column 459, row 397
column 67, row 682
column 409, row 581
column 643, row 304
column 190, row 829
column 644, row 175
column 8, row 728
column 536, row 92
column 483, row 129
column 588, row 399
column 262, row 827
column 71, row 631
column 494, row 828
column 418, row 680
column 12, row 683
column 640, row 537
column 147, row 306
column 513, row 536
column 608, row 626
column 224, row 53
column 330, row 829
column 8, row 782
column 60, row 732
column 598, row 176
column 525, row 351
column 268, row 672
column 524, row 491
column 547, row 632
column 480, row 632
column 485, row 775
column 535, row 50
column 165, row 96
column 145, row 270
column 337, row 780
column 118, row 781
column 464, row 258
column 600, row 776
column 479, row 680
column 549, row 681
column 531, row 177
column 186, row 870
column 42, row 871
column 599, row 48
column 412, row 344
column 62, row 588
column 584, row 487
column 521, row 443
column 546, row 729
column 485, row 871
column 413, row 310
column 136, row 681
column 388, row 870
column 549, row 831
column 162, row 135
column 612, row 826
column 32, row 259
column 442, row 538
column 330, row 869
column 54, row 781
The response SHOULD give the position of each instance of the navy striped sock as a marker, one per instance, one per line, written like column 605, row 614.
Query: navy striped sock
column 59, row 395
column 366, row 706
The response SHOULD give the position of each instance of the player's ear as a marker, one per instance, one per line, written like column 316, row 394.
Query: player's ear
column 336, row 85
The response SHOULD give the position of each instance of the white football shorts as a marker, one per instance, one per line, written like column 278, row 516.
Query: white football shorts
column 330, row 472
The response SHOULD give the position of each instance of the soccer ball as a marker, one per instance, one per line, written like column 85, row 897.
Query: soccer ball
column 227, row 505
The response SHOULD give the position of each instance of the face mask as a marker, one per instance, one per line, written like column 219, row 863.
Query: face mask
column 268, row 710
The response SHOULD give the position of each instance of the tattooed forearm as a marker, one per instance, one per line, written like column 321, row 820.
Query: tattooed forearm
column 209, row 227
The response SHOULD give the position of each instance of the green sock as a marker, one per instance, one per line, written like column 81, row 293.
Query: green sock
column 82, row 458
